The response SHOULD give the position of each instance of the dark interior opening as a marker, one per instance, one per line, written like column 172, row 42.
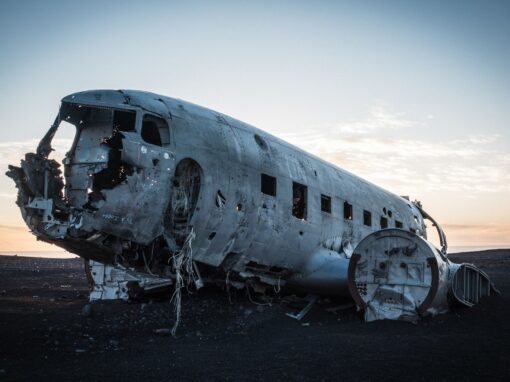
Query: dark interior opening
column 268, row 184
column 325, row 203
column 299, row 200
column 124, row 120
column 367, row 218
column 398, row 224
column 184, row 200
column 117, row 171
column 384, row 222
column 155, row 130
column 113, row 175
column 150, row 133
column 347, row 211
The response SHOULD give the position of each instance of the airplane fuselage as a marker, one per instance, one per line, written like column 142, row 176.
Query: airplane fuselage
column 145, row 170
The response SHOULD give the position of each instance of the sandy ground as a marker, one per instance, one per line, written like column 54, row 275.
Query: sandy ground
column 45, row 336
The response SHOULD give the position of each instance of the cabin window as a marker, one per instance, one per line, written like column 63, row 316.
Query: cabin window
column 326, row 203
column 367, row 218
column 347, row 211
column 155, row 130
column 398, row 224
column 384, row 222
column 299, row 200
column 268, row 184
column 124, row 120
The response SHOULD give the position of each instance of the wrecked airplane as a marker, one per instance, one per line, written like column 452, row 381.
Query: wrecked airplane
column 158, row 193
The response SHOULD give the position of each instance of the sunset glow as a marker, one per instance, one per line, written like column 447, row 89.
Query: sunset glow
column 413, row 98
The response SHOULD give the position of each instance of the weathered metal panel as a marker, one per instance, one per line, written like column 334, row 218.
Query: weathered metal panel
column 126, row 204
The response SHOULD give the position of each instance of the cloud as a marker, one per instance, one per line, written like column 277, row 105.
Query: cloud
column 478, row 234
column 13, row 152
column 408, row 164
column 380, row 118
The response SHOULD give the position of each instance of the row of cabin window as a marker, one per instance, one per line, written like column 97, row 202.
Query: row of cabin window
column 367, row 218
column 299, row 197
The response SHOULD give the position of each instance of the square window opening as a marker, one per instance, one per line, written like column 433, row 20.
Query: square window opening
column 155, row 130
column 347, row 211
column 124, row 120
column 268, row 184
column 299, row 195
column 367, row 218
column 398, row 224
column 384, row 222
column 326, row 203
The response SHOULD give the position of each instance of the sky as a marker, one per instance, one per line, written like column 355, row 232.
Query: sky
column 411, row 95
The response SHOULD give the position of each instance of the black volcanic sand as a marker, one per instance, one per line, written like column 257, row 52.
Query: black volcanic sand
column 45, row 336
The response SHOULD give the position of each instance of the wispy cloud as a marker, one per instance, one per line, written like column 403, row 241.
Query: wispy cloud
column 478, row 234
column 405, row 164
column 12, row 152
column 379, row 119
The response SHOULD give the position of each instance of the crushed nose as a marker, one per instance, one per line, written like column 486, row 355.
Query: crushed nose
column 112, row 191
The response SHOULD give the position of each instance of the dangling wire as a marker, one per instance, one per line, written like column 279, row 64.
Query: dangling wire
column 227, row 283
column 277, row 288
column 185, row 274
column 253, row 301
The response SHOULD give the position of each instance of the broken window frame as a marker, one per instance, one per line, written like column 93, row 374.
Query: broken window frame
column 162, row 129
column 65, row 114
column 367, row 218
column 299, row 204
column 348, row 211
column 118, row 122
column 326, row 203
column 124, row 121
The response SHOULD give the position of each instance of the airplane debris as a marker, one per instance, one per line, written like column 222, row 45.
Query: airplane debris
column 118, row 283
column 299, row 316
column 394, row 274
column 162, row 332
column 340, row 307
column 160, row 194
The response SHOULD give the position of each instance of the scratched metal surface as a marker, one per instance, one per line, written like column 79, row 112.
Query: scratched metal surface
column 247, row 227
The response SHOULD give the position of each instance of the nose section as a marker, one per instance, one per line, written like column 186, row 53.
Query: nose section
column 40, row 195
column 115, row 191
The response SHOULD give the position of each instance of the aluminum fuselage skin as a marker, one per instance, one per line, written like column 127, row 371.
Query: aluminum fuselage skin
column 250, row 227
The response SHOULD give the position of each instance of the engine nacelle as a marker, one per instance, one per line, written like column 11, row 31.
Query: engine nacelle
column 395, row 274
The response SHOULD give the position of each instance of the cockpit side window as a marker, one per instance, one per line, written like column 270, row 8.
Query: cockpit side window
column 155, row 130
column 124, row 120
column 150, row 133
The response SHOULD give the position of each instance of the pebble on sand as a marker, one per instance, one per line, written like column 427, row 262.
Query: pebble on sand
column 162, row 332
